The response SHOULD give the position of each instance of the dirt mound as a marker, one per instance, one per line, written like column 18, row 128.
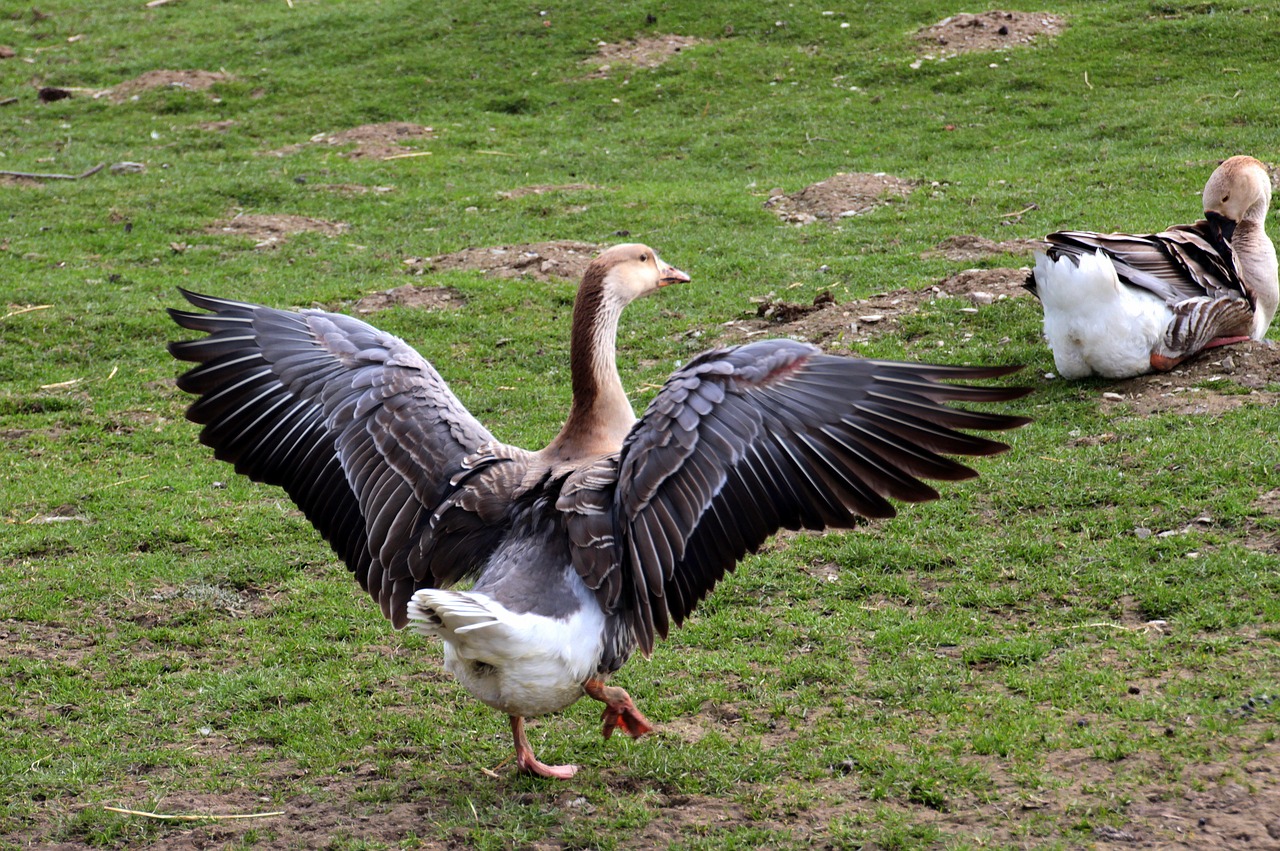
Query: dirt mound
column 545, row 188
column 1214, row 381
column 993, row 30
column 411, row 295
column 838, row 197
column 372, row 141
column 197, row 81
column 270, row 231
column 966, row 248
column 540, row 260
column 825, row 319
column 648, row 52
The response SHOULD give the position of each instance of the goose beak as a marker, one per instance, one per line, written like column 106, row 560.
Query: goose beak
column 668, row 275
column 1225, row 227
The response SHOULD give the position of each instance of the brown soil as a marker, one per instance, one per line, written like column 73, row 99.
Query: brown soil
column 543, row 189
column 826, row 320
column 1264, row 536
column 993, row 30
column 217, row 126
column 350, row 188
column 195, row 80
column 838, row 197
column 410, row 295
column 648, row 52
column 540, row 260
column 966, row 248
column 13, row 180
column 270, row 230
column 370, row 141
column 1214, row 381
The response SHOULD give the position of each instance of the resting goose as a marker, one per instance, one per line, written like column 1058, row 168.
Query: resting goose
column 1120, row 305
column 590, row 548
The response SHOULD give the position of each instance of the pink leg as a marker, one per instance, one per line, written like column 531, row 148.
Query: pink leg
column 528, row 763
column 1225, row 341
column 619, row 710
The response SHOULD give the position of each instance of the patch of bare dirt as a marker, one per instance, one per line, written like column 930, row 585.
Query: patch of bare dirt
column 541, row 260
column 837, row 197
column 350, row 188
column 993, row 30
column 1262, row 535
column 825, row 319
column 411, row 295
column 28, row 640
column 647, row 52
column 371, row 141
column 1212, row 382
column 270, row 230
column 543, row 189
column 173, row 603
column 197, row 81
column 25, row 182
column 217, row 126
column 967, row 248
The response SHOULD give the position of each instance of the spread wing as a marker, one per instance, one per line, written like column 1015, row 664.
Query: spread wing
column 1185, row 261
column 743, row 441
column 356, row 426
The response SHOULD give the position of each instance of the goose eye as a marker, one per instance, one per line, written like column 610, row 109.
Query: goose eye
column 644, row 258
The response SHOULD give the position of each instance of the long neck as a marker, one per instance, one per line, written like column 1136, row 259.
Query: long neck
column 601, row 414
column 1255, row 258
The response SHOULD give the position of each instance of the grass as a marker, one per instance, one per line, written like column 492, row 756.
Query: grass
column 179, row 639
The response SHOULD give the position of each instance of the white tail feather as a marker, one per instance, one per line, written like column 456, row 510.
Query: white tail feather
column 1093, row 322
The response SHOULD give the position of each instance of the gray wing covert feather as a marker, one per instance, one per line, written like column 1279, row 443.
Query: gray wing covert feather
column 744, row 441
column 1185, row 261
column 358, row 428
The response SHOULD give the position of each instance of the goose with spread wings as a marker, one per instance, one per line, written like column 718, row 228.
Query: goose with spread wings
column 1119, row 305
column 591, row 548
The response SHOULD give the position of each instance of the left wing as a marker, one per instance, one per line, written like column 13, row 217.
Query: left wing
column 743, row 441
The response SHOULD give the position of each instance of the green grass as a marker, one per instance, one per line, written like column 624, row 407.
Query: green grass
column 973, row 673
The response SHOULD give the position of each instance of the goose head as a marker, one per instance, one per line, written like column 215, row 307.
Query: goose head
column 627, row 272
column 1239, row 189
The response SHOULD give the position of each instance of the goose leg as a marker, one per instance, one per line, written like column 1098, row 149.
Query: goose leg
column 528, row 763
column 619, row 710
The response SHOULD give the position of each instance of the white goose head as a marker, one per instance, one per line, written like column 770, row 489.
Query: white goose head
column 1238, row 190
